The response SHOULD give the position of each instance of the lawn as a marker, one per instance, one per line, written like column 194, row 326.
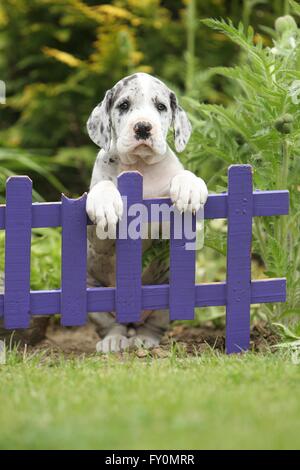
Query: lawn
column 210, row 401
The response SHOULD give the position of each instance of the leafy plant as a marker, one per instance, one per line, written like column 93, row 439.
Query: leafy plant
column 45, row 258
column 17, row 161
column 291, row 340
column 74, row 50
column 261, row 126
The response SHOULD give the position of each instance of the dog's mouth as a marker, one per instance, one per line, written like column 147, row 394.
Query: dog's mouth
column 143, row 147
column 149, row 149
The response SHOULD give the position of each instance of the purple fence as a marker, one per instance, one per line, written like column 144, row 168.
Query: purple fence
column 73, row 301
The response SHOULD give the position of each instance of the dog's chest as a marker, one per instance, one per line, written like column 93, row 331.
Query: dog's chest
column 156, row 178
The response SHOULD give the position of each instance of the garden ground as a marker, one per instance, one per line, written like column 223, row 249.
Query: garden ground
column 186, row 395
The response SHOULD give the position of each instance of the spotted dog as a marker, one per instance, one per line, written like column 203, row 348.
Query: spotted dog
column 131, row 125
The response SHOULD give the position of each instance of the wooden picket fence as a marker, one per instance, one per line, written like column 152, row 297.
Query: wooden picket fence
column 74, row 300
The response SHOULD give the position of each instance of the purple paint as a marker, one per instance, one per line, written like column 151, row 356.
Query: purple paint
column 156, row 297
column 17, row 252
column 129, row 297
column 129, row 256
column 265, row 203
column 73, row 262
column 239, row 237
column 182, row 269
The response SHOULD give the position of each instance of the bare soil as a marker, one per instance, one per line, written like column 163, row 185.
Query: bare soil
column 77, row 341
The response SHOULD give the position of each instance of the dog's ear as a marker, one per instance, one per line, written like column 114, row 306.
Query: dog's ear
column 181, row 124
column 99, row 122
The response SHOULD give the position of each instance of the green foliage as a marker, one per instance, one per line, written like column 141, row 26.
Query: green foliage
column 45, row 258
column 71, row 51
column 261, row 126
column 19, row 161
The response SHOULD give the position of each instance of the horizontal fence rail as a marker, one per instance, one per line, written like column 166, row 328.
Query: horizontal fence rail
column 265, row 203
column 74, row 300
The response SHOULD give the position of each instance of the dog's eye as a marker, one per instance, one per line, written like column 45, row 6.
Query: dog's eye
column 124, row 105
column 161, row 107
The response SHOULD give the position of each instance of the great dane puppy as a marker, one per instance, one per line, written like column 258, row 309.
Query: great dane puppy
column 131, row 125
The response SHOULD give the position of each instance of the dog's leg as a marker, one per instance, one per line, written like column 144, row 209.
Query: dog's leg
column 114, row 335
column 155, row 323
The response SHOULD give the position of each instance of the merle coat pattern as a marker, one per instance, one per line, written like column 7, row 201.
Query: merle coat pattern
column 131, row 125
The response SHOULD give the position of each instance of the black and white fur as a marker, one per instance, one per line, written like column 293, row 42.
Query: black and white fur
column 131, row 125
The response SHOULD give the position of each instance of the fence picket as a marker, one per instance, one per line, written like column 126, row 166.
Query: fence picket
column 17, row 252
column 239, row 237
column 182, row 269
column 73, row 261
column 129, row 255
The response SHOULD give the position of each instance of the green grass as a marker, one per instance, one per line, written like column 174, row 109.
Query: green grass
column 212, row 401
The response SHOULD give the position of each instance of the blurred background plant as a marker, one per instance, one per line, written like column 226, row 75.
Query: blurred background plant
column 239, row 79
column 260, row 125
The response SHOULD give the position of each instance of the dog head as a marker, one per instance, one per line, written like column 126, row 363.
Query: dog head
column 135, row 116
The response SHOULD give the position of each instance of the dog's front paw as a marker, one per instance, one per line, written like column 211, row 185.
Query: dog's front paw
column 104, row 207
column 188, row 192
column 144, row 341
column 113, row 343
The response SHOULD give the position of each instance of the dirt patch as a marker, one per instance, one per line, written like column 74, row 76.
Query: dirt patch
column 78, row 341
column 72, row 341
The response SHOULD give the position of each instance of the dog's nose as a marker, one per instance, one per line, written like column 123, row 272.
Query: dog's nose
column 142, row 130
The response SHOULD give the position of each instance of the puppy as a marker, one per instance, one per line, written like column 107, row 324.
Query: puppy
column 131, row 125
